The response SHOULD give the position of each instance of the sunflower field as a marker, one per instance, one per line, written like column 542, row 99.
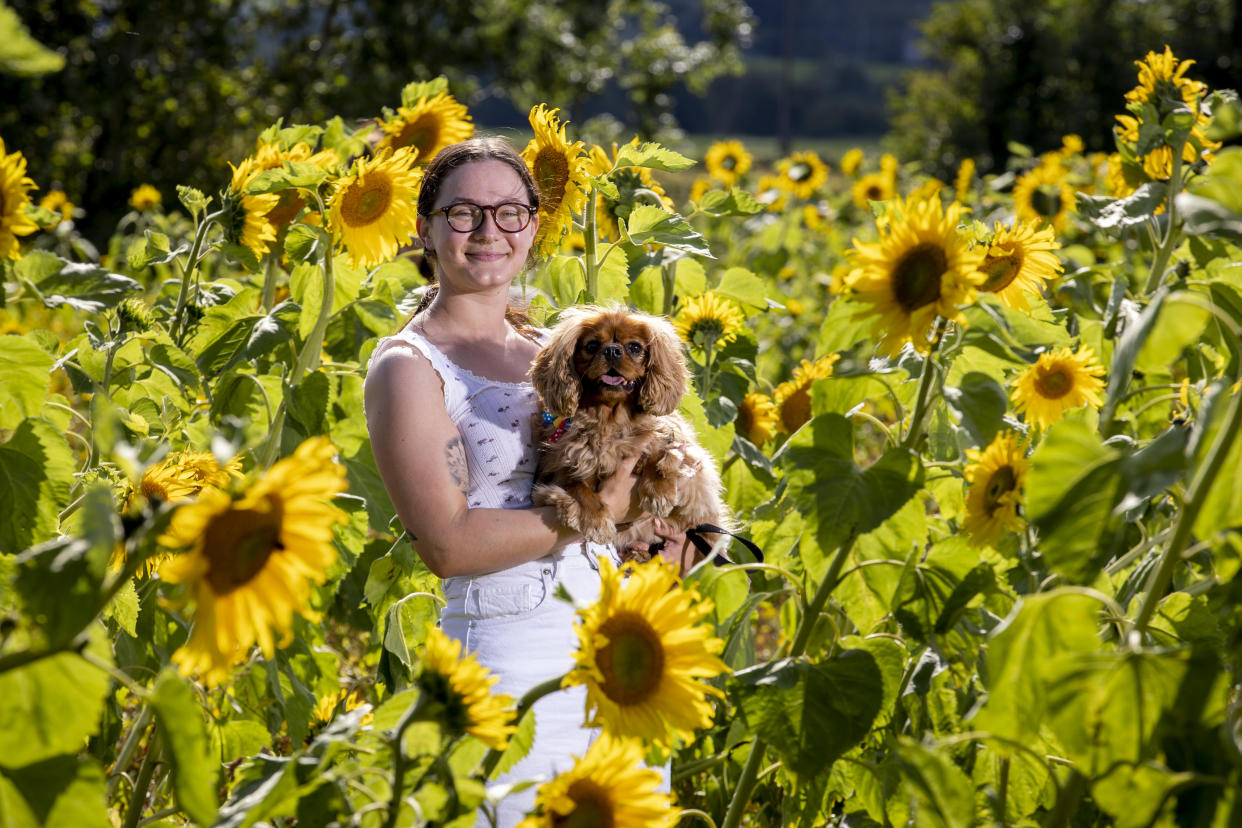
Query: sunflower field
column 986, row 432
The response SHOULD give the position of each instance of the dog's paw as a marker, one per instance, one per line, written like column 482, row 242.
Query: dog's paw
column 568, row 510
column 596, row 527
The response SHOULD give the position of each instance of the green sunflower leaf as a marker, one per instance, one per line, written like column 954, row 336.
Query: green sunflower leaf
column 744, row 287
column 945, row 795
column 192, row 200
column 36, row 470
column 978, row 405
column 653, row 156
column 301, row 174
column 65, row 790
column 653, row 225
column 1116, row 216
column 423, row 89
column 25, row 377
column 811, row 713
column 21, row 54
column 81, row 285
column 733, row 202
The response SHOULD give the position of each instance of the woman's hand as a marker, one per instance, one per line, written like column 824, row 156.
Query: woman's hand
column 618, row 491
column 673, row 547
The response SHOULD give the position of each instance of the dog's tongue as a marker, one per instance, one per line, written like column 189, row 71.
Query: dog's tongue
column 609, row 379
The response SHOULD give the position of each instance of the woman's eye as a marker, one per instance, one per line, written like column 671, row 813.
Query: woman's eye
column 634, row 349
column 591, row 347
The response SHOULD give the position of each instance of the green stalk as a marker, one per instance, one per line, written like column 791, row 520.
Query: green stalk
column 925, row 381
column 130, row 745
column 750, row 771
column 1002, row 791
column 590, row 262
column 186, row 272
column 269, row 284
column 138, row 796
column 668, row 273
column 1161, row 262
column 308, row 360
column 1067, row 800
column 527, row 701
column 709, row 351
column 1205, row 475
column 400, row 763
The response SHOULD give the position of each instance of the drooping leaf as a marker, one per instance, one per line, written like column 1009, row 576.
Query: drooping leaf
column 840, row 496
column 743, row 287
column 1021, row 657
column 21, row 54
column 1115, row 216
column 81, row 285
column 291, row 174
column 37, row 468
column 811, row 713
column 943, row 794
column 1127, row 351
column 732, row 202
column 978, row 404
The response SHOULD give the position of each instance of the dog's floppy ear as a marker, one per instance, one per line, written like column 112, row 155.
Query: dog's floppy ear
column 666, row 381
column 553, row 372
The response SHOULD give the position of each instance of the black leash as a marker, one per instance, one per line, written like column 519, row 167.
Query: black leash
column 695, row 534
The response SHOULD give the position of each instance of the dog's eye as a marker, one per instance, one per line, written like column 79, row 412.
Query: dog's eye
column 634, row 349
column 591, row 347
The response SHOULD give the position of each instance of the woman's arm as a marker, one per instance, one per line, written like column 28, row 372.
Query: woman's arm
column 420, row 457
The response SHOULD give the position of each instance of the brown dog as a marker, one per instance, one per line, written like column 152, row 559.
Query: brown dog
column 610, row 381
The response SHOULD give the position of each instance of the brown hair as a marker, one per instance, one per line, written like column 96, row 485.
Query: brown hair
column 479, row 148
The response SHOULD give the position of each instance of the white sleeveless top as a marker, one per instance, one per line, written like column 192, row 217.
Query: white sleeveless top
column 495, row 420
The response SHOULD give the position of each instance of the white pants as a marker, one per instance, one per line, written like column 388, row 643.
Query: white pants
column 521, row 632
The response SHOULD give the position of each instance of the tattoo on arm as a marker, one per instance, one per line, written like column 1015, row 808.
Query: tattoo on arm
column 455, row 454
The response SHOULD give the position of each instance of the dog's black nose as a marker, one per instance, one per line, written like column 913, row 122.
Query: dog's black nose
column 612, row 353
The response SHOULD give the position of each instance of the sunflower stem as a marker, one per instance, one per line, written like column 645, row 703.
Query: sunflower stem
column 138, row 797
column 309, row 358
column 269, row 285
column 750, row 771
column 590, row 262
column 129, row 746
column 527, row 701
column 187, row 271
column 1171, row 236
column 400, row 763
column 925, row 381
column 668, row 273
column 1195, row 497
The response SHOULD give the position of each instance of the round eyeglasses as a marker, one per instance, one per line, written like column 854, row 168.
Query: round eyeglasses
column 466, row 217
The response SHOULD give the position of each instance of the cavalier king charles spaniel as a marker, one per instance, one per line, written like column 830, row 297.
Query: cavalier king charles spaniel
column 610, row 381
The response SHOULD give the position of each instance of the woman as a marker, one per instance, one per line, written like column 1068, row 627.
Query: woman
column 450, row 411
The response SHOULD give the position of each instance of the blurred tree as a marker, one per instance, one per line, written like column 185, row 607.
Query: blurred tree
column 165, row 92
column 1013, row 70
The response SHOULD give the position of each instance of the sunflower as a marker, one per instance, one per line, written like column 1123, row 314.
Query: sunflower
column 770, row 193
column 183, row 475
column 996, row 476
column 921, row 268
column 727, row 162
column 145, row 198
column 249, row 562
column 758, row 418
column 372, row 210
column 57, row 202
column 559, row 170
column 1058, row 381
column 246, row 222
column 1019, row 260
column 272, row 154
column 641, row 648
column 709, row 322
column 1161, row 78
column 802, row 173
column 609, row 786
column 877, row 186
column 463, row 689
column 634, row 185
column 15, row 189
column 1115, row 177
column 792, row 398
column 1044, row 194
column 961, row 182
column 851, row 161
column 346, row 700
column 428, row 126
column 700, row 187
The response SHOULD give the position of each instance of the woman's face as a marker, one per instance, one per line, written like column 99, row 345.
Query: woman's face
column 486, row 257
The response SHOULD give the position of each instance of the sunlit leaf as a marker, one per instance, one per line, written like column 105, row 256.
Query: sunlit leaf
column 25, row 377
column 21, row 54
column 653, row 156
column 732, row 202
column 944, row 795
column 81, row 285
column 654, row 225
column 61, row 791
column 36, row 470
column 185, row 744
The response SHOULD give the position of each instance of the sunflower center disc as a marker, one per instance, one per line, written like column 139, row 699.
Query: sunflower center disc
column 1054, row 384
column 239, row 542
column 1000, row 271
column 421, row 134
column 551, row 176
column 1000, row 483
column 875, row 193
column 1046, row 200
column 364, row 203
column 916, row 277
column 591, row 808
column 632, row 661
